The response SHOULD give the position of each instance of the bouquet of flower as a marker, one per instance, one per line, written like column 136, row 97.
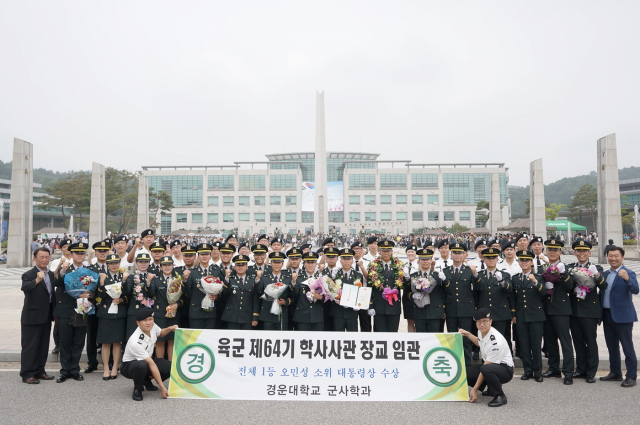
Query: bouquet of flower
column 80, row 281
column 174, row 292
column 211, row 286
column 334, row 288
column 390, row 295
column 421, row 287
column 585, row 282
column 357, row 283
column 274, row 290
column 376, row 270
column 317, row 286
column 114, row 291
column 138, row 294
column 551, row 274
column 84, row 307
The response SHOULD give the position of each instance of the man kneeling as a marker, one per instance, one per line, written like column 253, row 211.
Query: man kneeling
column 497, row 368
column 137, row 363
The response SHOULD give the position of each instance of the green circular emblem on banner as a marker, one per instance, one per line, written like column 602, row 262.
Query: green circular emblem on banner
column 195, row 363
column 442, row 367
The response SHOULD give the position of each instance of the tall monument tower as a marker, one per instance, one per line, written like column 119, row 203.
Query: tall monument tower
column 320, row 216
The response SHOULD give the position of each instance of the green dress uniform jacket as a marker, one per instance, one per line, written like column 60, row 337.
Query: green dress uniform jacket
column 460, row 295
column 264, row 306
column 528, row 299
column 128, row 291
column 103, row 299
column 158, row 290
column 194, row 294
column 154, row 269
column 495, row 296
column 435, row 309
column 66, row 304
column 558, row 303
column 239, row 299
column 306, row 311
column 378, row 303
column 335, row 310
column 253, row 269
column 590, row 306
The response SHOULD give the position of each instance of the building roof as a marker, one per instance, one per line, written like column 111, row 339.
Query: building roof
column 310, row 155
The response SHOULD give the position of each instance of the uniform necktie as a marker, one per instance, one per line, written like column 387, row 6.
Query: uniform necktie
column 346, row 276
column 457, row 273
column 445, row 263
column 538, row 260
column 103, row 269
column 386, row 267
column 47, row 282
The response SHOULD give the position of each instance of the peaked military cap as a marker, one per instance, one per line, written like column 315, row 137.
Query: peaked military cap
column 331, row 251
column 204, row 247
column 188, row 249
column 458, row 247
column 157, row 246
column 294, row 253
column 143, row 257
column 112, row 258
column 581, row 244
column 490, row 252
column 240, row 260
column 310, row 256
column 386, row 244
column 425, row 253
column 227, row 248
column 277, row 256
column 102, row 246
column 347, row 252
column 259, row 249
column 554, row 243
column 525, row 255
column 166, row 260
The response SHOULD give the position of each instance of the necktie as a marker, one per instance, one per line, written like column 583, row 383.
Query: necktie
column 538, row 260
column 445, row 263
column 204, row 271
column 103, row 269
column 47, row 282
column 457, row 273
column 386, row 267
column 346, row 276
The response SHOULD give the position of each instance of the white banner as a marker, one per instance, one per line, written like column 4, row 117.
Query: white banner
column 264, row 365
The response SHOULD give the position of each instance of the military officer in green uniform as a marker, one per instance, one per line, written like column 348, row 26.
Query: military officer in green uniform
column 494, row 291
column 329, row 269
column 558, row 314
column 259, row 257
column 189, row 259
column 270, row 321
column 238, row 293
column 428, row 316
column 346, row 318
column 388, row 274
column 101, row 249
column 460, row 296
column 527, row 292
column 112, row 325
column 72, row 332
column 586, row 313
column 194, row 293
column 308, row 313
column 157, row 252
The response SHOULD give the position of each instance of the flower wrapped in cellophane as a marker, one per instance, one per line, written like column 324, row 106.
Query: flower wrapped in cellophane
column 274, row 291
column 211, row 286
column 421, row 287
column 584, row 282
column 114, row 291
column 174, row 292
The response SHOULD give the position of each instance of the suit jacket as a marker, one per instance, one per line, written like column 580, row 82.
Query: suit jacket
column 37, row 308
column 620, row 297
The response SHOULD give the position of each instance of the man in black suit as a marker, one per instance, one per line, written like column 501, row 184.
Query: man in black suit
column 37, row 314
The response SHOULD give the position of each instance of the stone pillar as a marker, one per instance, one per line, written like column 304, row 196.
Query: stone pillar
column 143, row 204
column 20, row 229
column 609, row 216
column 321, row 214
column 495, row 213
column 97, row 210
column 537, row 212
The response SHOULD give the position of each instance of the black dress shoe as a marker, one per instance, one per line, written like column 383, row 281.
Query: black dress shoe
column 568, row 380
column 56, row 350
column 114, row 376
column 538, row 378
column 148, row 385
column 628, row 382
column 106, row 378
column 498, row 401
column 45, row 377
column 90, row 369
column 475, row 356
column 78, row 377
column 526, row 376
column 550, row 374
column 137, row 395
column 591, row 380
column 31, row 380
column 61, row 379
column 611, row 377
column 580, row 376
column 485, row 393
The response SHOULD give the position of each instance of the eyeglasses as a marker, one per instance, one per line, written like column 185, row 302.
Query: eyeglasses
column 483, row 321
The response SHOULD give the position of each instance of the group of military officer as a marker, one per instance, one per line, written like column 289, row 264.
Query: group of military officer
column 534, row 305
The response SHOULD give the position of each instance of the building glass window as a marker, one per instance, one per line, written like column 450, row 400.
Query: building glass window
column 362, row 181
column 449, row 216
column 354, row 216
column 185, row 191
column 416, row 199
column 283, row 181
column 243, row 217
column 424, row 180
column 385, row 199
column 212, row 201
column 244, row 201
column 432, row 199
column 479, row 218
column 354, row 199
column 259, row 217
column 290, row 217
column 385, row 216
column 433, row 215
column 370, row 199
column 401, row 215
column 212, row 217
column 251, row 181
column 290, row 200
column 401, row 199
column 274, row 217
column 393, row 181
column 275, row 200
column 471, row 188
column 221, row 182
column 196, row 218
column 465, row 215
column 181, row 218
column 369, row 216
column 227, row 217
column 307, row 217
column 165, row 223
column 336, row 216
column 417, row 215
column 259, row 201
column 227, row 201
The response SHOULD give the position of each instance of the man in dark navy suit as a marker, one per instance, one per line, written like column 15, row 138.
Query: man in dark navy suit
column 37, row 315
column 618, row 315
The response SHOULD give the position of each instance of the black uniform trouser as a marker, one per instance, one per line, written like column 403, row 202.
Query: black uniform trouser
column 428, row 325
column 35, row 349
column 341, row 325
column 92, row 333
column 316, row 327
column 139, row 371
column 328, row 320
column 500, row 326
column 275, row 326
column 386, row 322
column 239, row 326
column 365, row 321
column 557, row 328
column 530, row 335
column 56, row 334
column 584, row 331
column 71, row 344
column 516, row 340
column 507, row 335
column 209, row 323
column 455, row 323
column 494, row 376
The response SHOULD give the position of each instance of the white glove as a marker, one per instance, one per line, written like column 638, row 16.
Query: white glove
column 499, row 276
column 371, row 312
column 560, row 267
column 576, row 290
column 593, row 269
column 417, row 296
column 356, row 309
column 442, row 276
column 266, row 297
column 549, row 285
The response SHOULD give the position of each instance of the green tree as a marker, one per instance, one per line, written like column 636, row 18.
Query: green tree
column 159, row 203
column 483, row 205
column 527, row 205
column 586, row 199
column 551, row 212
column 121, row 197
column 72, row 194
column 458, row 228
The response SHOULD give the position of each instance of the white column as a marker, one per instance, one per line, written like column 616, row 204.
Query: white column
column 495, row 214
column 609, row 216
column 537, row 210
column 20, row 228
column 143, row 205
column 97, row 210
column 321, row 218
